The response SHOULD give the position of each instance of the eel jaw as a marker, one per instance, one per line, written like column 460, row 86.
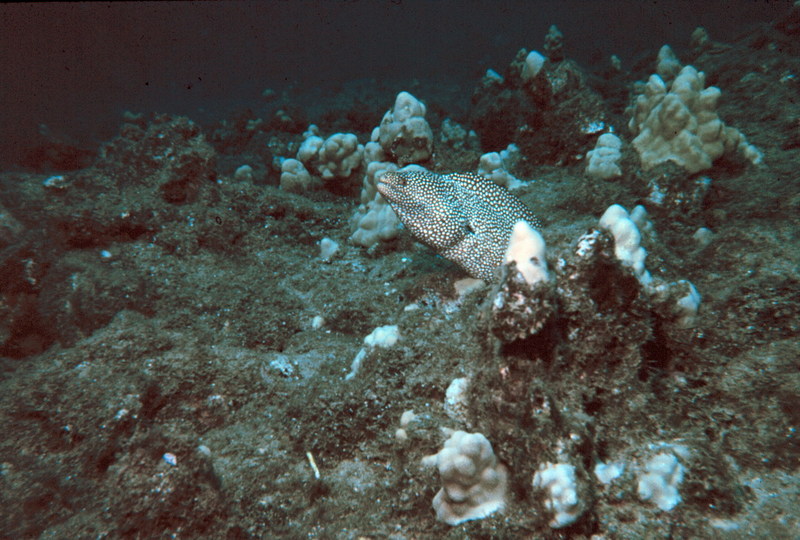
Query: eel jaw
column 390, row 185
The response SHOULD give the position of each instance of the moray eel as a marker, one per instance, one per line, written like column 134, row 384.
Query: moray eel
column 464, row 217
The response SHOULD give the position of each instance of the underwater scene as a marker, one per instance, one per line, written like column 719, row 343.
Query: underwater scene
column 400, row 270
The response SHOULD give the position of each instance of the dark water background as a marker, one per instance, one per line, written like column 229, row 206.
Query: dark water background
column 75, row 67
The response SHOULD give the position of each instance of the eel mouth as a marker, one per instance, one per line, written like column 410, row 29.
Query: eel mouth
column 389, row 185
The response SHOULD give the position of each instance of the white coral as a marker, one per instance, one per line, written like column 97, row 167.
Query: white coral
column 527, row 249
column 374, row 219
column 562, row 489
column 404, row 133
column 474, row 483
column 295, row 177
column 310, row 146
column 627, row 240
column 494, row 166
column 681, row 124
column 456, row 399
column 668, row 65
column 659, row 484
column 603, row 160
column 680, row 299
column 533, row 65
column 339, row 155
column 334, row 157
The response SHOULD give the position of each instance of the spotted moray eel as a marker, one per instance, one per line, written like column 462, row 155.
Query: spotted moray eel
column 464, row 217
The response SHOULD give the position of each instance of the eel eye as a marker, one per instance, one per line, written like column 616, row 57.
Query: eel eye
column 390, row 178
